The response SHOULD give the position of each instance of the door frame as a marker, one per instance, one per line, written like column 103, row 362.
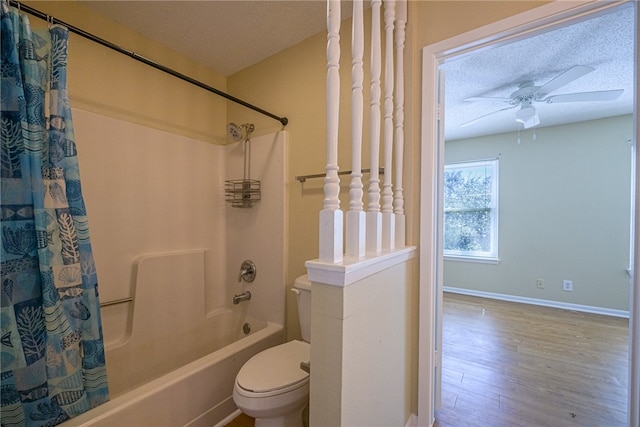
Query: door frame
column 510, row 29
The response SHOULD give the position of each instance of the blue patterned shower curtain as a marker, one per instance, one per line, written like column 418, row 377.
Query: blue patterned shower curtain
column 52, row 351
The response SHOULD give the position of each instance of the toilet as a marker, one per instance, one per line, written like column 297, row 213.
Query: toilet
column 271, row 386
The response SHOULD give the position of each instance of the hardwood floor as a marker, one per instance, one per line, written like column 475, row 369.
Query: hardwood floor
column 241, row 420
column 510, row 364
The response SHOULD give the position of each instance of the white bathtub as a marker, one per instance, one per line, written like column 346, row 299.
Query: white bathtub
column 175, row 363
column 194, row 395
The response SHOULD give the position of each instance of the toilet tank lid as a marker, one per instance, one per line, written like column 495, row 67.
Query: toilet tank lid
column 302, row 282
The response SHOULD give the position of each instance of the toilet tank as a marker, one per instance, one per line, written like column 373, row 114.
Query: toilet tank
column 302, row 288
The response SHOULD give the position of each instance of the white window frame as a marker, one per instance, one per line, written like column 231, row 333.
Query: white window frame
column 490, row 256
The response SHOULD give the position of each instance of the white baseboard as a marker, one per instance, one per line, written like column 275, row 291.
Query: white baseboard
column 536, row 301
column 412, row 421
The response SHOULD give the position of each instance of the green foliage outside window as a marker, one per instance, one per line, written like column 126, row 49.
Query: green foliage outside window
column 469, row 209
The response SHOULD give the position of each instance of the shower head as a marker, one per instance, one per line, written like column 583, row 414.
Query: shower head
column 234, row 131
column 240, row 132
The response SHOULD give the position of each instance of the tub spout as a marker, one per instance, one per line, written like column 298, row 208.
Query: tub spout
column 245, row 296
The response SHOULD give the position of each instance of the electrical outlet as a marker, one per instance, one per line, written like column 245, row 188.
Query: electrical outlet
column 567, row 285
column 540, row 283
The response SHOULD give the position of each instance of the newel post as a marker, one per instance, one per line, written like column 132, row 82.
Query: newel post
column 331, row 217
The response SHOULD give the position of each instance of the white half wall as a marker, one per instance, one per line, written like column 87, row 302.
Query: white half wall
column 364, row 350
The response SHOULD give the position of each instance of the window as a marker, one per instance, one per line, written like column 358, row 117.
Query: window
column 471, row 210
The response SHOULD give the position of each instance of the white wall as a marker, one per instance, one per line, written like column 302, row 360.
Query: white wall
column 564, row 213
column 148, row 191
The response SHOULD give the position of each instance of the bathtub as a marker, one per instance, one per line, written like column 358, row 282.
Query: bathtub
column 175, row 362
column 194, row 395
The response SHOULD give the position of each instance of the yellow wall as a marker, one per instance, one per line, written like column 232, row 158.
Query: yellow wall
column 104, row 81
column 438, row 20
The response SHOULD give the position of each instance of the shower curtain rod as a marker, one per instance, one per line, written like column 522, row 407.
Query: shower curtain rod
column 96, row 39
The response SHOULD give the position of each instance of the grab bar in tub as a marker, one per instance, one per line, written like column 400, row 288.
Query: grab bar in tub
column 116, row 301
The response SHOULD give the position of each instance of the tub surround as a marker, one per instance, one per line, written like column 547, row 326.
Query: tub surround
column 172, row 244
column 259, row 233
column 169, row 314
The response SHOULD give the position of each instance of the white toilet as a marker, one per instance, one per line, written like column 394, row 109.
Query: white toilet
column 272, row 387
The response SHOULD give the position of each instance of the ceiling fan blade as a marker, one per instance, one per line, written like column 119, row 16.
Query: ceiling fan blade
column 601, row 95
column 486, row 115
column 565, row 78
column 487, row 98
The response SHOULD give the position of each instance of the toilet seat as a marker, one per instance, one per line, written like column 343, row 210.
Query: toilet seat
column 274, row 371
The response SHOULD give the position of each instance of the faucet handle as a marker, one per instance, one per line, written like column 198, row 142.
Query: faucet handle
column 247, row 271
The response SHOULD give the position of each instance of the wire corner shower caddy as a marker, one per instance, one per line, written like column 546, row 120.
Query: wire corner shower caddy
column 242, row 193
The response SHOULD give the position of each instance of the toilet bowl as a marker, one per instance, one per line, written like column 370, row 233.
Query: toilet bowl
column 271, row 386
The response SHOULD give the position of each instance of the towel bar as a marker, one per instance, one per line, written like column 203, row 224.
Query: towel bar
column 303, row 178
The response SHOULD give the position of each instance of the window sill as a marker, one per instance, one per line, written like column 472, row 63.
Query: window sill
column 484, row 260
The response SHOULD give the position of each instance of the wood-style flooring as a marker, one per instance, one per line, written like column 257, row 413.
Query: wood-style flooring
column 241, row 420
column 510, row 364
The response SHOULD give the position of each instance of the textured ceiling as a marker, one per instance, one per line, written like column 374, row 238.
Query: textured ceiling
column 604, row 43
column 228, row 36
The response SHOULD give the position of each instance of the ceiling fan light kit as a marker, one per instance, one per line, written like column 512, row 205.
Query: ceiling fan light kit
column 528, row 94
column 528, row 116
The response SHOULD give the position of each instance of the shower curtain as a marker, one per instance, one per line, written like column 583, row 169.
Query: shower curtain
column 52, row 351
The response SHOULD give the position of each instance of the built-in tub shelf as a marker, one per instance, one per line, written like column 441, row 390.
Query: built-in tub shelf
column 303, row 178
column 116, row 301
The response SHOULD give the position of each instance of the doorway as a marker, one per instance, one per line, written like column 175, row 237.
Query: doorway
column 505, row 31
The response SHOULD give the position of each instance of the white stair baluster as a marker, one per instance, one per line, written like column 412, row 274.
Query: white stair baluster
column 331, row 217
column 356, row 217
column 398, row 197
column 388, row 217
column 374, row 216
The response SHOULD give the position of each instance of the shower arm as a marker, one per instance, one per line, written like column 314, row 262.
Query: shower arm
column 105, row 43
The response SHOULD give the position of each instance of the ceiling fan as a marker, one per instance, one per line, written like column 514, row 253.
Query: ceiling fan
column 529, row 93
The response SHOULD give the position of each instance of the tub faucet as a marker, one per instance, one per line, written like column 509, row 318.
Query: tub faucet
column 245, row 296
